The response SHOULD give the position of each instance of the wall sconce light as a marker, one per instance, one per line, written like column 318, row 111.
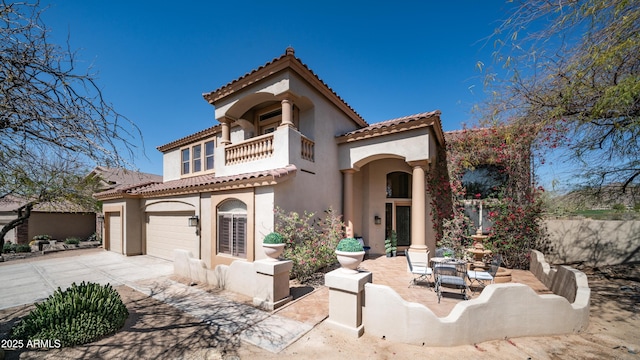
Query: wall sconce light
column 377, row 220
column 193, row 221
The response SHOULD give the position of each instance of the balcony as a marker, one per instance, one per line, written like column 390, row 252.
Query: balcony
column 278, row 149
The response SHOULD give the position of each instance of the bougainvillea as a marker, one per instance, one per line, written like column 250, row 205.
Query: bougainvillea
column 515, row 209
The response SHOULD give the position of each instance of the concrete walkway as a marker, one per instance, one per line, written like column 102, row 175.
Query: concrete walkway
column 32, row 281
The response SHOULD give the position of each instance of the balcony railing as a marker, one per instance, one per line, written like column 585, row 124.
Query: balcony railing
column 257, row 148
column 307, row 149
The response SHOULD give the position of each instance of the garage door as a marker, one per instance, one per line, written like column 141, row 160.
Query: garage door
column 169, row 231
column 114, row 223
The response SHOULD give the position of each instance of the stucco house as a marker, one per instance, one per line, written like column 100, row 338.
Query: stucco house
column 64, row 219
column 284, row 139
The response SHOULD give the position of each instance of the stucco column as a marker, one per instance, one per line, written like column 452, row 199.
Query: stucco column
column 418, row 206
column 347, row 205
column 287, row 113
column 226, row 137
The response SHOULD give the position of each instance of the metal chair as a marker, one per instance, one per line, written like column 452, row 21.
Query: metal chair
column 419, row 265
column 483, row 278
column 453, row 274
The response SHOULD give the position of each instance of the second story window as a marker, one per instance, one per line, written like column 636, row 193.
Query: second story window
column 208, row 155
column 185, row 161
column 269, row 121
column 197, row 158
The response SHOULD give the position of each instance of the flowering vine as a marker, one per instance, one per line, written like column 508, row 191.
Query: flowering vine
column 514, row 205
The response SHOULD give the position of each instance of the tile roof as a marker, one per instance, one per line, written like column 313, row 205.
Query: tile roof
column 397, row 121
column 202, row 134
column 115, row 177
column 434, row 115
column 289, row 54
column 11, row 203
column 194, row 183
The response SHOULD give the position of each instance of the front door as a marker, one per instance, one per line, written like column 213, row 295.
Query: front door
column 398, row 218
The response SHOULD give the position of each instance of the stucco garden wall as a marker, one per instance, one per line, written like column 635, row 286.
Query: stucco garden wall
column 593, row 242
column 266, row 281
column 501, row 311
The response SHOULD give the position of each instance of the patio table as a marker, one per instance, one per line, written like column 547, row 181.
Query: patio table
column 448, row 271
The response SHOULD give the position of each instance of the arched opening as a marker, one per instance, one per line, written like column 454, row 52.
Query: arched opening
column 232, row 228
column 399, row 185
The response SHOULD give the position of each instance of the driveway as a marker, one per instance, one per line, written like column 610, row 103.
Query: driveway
column 28, row 282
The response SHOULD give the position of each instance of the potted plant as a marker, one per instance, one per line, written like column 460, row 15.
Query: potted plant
column 273, row 245
column 40, row 240
column 447, row 254
column 350, row 254
column 391, row 244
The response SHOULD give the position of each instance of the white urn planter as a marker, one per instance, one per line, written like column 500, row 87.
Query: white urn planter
column 349, row 260
column 273, row 251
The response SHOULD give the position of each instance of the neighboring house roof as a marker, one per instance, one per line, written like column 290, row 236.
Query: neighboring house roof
column 288, row 60
column 11, row 203
column 111, row 178
column 397, row 125
column 207, row 182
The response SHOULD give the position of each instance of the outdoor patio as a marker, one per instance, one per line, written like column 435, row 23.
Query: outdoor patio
column 393, row 272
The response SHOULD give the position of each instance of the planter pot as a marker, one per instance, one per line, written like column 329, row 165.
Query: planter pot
column 273, row 251
column 350, row 260
column 388, row 254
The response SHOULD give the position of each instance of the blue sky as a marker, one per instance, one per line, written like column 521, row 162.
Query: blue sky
column 154, row 59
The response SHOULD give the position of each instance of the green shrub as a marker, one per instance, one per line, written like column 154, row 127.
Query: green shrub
column 42, row 237
column 22, row 248
column 273, row 238
column 349, row 245
column 79, row 315
column 619, row 207
column 7, row 247
column 72, row 241
column 310, row 242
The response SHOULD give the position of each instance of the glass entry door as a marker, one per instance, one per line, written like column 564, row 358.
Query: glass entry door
column 403, row 225
column 398, row 218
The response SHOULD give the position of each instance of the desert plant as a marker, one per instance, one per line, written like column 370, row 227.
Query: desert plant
column 310, row 242
column 7, row 247
column 22, row 248
column 72, row 241
column 349, row 245
column 42, row 237
column 273, row 238
column 78, row 315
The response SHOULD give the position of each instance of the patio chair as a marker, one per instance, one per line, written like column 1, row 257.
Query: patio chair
column 419, row 266
column 445, row 276
column 480, row 279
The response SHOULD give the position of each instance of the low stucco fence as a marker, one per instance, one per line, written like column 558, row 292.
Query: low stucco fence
column 593, row 242
column 501, row 311
column 267, row 282
column 356, row 305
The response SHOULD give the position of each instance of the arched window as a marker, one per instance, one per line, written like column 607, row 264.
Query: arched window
column 232, row 228
column 399, row 185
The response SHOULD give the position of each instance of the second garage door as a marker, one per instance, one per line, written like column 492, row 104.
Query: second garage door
column 169, row 231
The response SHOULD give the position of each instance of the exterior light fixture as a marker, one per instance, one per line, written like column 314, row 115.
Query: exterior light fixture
column 377, row 220
column 193, row 221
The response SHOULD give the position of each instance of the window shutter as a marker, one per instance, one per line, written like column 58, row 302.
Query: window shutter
column 224, row 233
column 240, row 235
